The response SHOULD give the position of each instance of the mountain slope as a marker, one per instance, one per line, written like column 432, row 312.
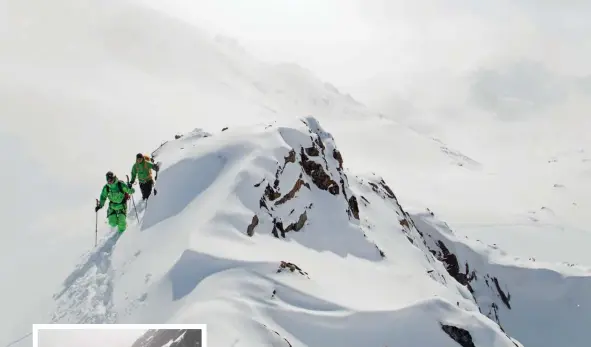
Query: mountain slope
column 265, row 229
column 527, row 298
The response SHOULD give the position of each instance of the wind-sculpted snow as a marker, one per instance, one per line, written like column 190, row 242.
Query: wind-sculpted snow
column 264, row 234
column 181, row 187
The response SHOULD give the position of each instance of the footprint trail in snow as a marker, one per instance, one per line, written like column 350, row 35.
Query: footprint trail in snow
column 87, row 293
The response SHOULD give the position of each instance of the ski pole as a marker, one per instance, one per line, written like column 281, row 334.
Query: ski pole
column 133, row 201
column 136, row 215
column 96, row 224
column 156, row 178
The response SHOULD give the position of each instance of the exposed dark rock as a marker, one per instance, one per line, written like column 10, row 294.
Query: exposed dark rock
column 319, row 177
column 297, row 226
column 333, row 189
column 504, row 298
column 296, row 187
column 284, row 265
column 337, row 155
column 343, row 189
column 291, row 157
column 404, row 223
column 253, row 224
column 354, row 207
column 459, row 335
column 451, row 264
column 259, row 184
column 278, row 226
column 388, row 190
column 382, row 254
column 374, row 187
column 176, row 137
column 225, row 128
column 288, row 344
column 319, row 143
column 271, row 194
column 277, row 173
column 262, row 203
column 312, row 151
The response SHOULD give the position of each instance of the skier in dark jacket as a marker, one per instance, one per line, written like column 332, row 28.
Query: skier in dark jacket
column 142, row 169
column 117, row 192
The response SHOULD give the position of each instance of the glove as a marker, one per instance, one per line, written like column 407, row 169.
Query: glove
column 97, row 208
column 156, row 167
column 129, row 184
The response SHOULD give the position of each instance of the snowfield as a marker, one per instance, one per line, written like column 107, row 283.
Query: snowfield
column 264, row 234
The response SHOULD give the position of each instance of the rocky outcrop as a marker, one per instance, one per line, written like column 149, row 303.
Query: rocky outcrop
column 253, row 224
column 338, row 157
column 354, row 207
column 319, row 177
column 459, row 335
column 459, row 269
column 477, row 280
column 317, row 171
column 287, row 266
column 299, row 183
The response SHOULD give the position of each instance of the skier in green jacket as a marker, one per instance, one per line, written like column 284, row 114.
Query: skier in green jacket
column 117, row 192
column 142, row 169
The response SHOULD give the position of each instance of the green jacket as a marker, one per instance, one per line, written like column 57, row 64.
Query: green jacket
column 143, row 171
column 116, row 196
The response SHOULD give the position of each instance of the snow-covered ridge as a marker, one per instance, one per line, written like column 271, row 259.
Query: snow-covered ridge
column 539, row 304
column 264, row 234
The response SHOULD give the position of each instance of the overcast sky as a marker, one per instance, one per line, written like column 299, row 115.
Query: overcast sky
column 88, row 337
column 354, row 41
column 462, row 61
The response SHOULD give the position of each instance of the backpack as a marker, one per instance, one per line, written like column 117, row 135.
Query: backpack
column 120, row 185
column 146, row 160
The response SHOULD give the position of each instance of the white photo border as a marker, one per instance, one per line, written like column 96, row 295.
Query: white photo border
column 37, row 327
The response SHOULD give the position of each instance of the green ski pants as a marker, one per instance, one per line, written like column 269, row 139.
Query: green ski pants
column 118, row 219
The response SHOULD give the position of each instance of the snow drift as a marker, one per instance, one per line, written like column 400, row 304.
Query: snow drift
column 262, row 233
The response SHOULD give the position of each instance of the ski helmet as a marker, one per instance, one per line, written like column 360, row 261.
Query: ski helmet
column 110, row 176
column 139, row 156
